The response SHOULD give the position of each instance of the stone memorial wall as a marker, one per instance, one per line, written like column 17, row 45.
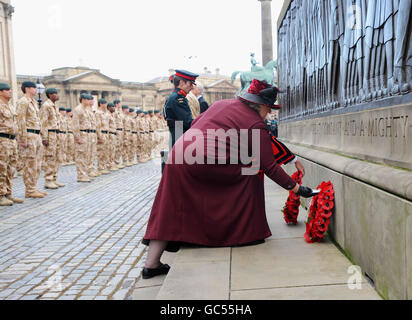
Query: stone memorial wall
column 345, row 71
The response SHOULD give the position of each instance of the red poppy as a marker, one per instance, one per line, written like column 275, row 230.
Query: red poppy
column 257, row 86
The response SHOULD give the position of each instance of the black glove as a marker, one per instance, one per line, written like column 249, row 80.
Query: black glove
column 306, row 192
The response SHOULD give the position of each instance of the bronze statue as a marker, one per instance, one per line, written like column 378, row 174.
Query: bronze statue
column 338, row 53
column 403, row 48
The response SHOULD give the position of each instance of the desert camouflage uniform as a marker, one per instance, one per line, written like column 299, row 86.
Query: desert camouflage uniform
column 28, row 120
column 93, row 144
column 49, row 132
column 112, row 142
column 8, row 148
column 102, row 121
column 70, row 141
column 119, row 137
column 81, row 127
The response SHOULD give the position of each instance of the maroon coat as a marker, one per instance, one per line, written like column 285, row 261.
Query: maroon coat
column 211, row 204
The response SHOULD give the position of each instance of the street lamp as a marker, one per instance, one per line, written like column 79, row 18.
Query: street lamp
column 40, row 91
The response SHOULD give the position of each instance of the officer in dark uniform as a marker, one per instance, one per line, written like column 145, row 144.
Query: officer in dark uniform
column 177, row 109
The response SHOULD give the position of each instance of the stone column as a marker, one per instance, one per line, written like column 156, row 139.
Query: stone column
column 267, row 38
column 8, row 72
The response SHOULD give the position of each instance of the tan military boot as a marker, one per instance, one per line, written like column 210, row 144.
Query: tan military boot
column 36, row 195
column 51, row 185
column 4, row 202
column 60, row 185
column 15, row 200
column 84, row 180
column 104, row 172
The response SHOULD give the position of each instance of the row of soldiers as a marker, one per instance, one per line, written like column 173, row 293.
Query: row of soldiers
column 32, row 138
column 113, row 133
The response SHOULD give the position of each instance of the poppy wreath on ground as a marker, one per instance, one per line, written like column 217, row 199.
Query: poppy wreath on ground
column 320, row 213
column 291, row 209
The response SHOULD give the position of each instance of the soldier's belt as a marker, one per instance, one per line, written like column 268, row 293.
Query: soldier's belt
column 54, row 131
column 105, row 132
column 7, row 136
column 70, row 132
column 63, row 132
column 119, row 129
column 87, row 131
column 142, row 132
column 33, row 131
column 151, row 131
column 134, row 132
column 113, row 133
column 92, row 131
column 128, row 130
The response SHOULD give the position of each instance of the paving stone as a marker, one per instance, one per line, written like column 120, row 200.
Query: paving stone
column 70, row 238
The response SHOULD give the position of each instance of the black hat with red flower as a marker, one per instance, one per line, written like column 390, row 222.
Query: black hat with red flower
column 262, row 93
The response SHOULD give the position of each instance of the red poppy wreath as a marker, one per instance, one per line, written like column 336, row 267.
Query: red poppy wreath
column 320, row 212
column 291, row 209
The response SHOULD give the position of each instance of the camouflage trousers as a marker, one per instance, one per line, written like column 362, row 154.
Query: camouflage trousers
column 131, row 150
column 92, row 152
column 70, row 147
column 119, row 146
column 103, row 162
column 8, row 163
column 82, row 155
column 158, row 140
column 111, row 149
column 139, row 146
column 126, row 146
column 61, row 149
column 51, row 158
column 135, row 146
column 32, row 157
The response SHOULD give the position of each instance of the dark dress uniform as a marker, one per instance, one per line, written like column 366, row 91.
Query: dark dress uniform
column 177, row 107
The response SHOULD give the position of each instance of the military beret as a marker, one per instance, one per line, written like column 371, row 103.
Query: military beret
column 68, row 110
column 131, row 110
column 51, row 91
column 4, row 86
column 29, row 84
column 139, row 112
column 110, row 105
column 116, row 101
column 84, row 96
column 62, row 109
column 146, row 112
column 157, row 112
column 102, row 101
column 125, row 107
column 90, row 97
column 150, row 111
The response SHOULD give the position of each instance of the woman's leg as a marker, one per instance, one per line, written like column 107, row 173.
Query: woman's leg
column 156, row 249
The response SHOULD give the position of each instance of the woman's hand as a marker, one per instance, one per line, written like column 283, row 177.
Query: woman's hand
column 300, row 167
column 296, row 188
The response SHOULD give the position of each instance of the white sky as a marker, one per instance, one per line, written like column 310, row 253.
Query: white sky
column 138, row 40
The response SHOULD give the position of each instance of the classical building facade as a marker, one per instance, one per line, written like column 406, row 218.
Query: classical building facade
column 7, row 65
column 152, row 95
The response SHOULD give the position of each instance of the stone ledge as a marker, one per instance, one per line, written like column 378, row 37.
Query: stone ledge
column 394, row 181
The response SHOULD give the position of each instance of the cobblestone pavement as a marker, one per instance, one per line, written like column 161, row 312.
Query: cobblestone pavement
column 82, row 241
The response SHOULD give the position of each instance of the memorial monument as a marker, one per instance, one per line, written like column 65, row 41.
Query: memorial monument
column 345, row 70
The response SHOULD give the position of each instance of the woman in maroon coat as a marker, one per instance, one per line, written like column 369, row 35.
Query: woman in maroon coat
column 209, row 199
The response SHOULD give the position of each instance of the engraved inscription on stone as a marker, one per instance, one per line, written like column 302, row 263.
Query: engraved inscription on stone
column 383, row 127
column 381, row 135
